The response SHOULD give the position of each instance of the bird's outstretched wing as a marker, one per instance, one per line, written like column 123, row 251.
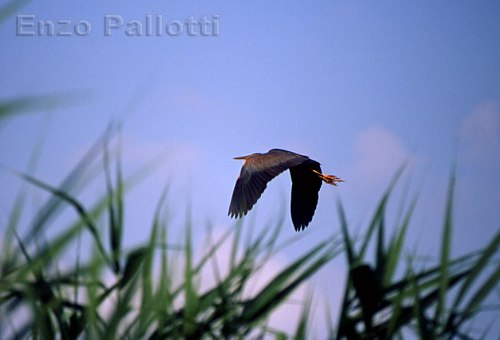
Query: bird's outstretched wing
column 305, row 189
column 255, row 173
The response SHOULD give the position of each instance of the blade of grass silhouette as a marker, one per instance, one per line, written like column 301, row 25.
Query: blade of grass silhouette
column 478, row 269
column 380, row 254
column 164, row 299
column 190, row 294
column 396, row 244
column 376, row 223
column 482, row 292
column 17, row 209
column 127, row 285
column 445, row 251
column 379, row 211
column 348, row 244
column 266, row 305
column 428, row 281
column 352, row 259
column 211, row 251
column 133, row 264
column 74, row 229
column 75, row 329
column 368, row 292
column 329, row 322
column 301, row 330
column 74, row 180
column 147, row 291
column 76, row 205
column 407, row 315
column 11, row 7
column 52, row 249
column 22, row 105
column 41, row 292
column 138, row 326
column 196, row 269
column 115, row 206
column 396, row 308
column 431, row 275
column 282, row 283
column 422, row 327
column 50, row 208
column 204, row 302
column 264, row 252
column 286, row 243
column 270, row 248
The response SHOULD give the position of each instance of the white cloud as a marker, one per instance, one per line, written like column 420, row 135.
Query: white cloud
column 480, row 135
column 379, row 154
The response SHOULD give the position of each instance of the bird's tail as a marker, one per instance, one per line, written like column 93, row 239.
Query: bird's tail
column 330, row 179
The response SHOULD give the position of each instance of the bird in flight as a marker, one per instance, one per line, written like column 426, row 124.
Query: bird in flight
column 259, row 168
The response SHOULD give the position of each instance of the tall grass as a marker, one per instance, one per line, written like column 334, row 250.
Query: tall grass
column 439, row 302
column 144, row 292
column 64, row 287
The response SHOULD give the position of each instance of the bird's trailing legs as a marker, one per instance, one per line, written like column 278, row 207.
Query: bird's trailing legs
column 330, row 179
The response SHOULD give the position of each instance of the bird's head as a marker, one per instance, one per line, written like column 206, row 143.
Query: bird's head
column 247, row 157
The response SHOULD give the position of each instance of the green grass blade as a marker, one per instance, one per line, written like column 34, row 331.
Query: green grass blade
column 379, row 212
column 263, row 304
column 445, row 253
column 284, row 282
column 74, row 180
column 380, row 255
column 114, row 228
column 7, row 10
column 75, row 204
column 211, row 251
column 490, row 284
column 191, row 298
column 147, row 290
column 419, row 312
column 15, row 214
column 134, row 262
column 301, row 331
column 115, row 204
column 479, row 267
column 329, row 322
column 396, row 245
column 344, row 324
column 432, row 273
column 348, row 244
column 396, row 307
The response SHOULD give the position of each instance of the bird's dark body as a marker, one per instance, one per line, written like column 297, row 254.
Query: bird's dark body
column 305, row 193
column 259, row 169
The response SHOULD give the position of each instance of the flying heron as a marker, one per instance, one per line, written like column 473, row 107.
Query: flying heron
column 259, row 168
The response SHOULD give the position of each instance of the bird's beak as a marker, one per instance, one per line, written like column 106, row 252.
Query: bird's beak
column 241, row 157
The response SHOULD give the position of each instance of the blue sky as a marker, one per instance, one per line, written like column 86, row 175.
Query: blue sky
column 359, row 86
